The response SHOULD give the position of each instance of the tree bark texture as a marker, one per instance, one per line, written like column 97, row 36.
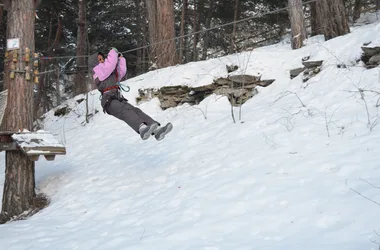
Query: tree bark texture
column 297, row 22
column 182, row 31
column 140, row 37
column 195, row 29
column 80, row 86
column 19, row 185
column 145, row 31
column 19, row 182
column 206, row 40
column 357, row 10
column 166, row 34
column 161, row 32
column 332, row 18
column 151, row 7
column 1, row 14
column 314, row 21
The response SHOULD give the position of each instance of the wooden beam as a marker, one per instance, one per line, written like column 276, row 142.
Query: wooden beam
column 44, row 150
column 5, row 138
column 34, row 157
column 50, row 157
column 7, row 133
column 8, row 146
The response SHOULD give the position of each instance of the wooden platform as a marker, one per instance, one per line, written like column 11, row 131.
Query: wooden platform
column 33, row 144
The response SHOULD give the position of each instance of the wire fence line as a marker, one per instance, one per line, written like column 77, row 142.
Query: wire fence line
column 191, row 33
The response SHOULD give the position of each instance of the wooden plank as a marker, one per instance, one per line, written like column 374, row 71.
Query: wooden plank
column 39, row 143
column 7, row 133
column 44, row 150
column 5, row 138
column 34, row 157
column 8, row 146
column 33, row 144
column 50, row 157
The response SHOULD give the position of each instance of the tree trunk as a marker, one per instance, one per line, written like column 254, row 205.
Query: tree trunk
column 297, row 22
column 357, row 10
column 80, row 76
column 145, row 30
column 19, row 185
column 6, row 73
column 50, row 26
column 332, row 18
column 182, row 32
column 233, row 37
column 166, row 33
column 153, row 32
column 161, row 32
column 206, row 40
column 139, row 38
column 195, row 29
column 314, row 22
column 1, row 14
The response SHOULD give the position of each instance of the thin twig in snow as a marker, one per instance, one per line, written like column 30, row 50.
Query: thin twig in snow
column 142, row 234
column 366, row 108
column 269, row 141
column 203, row 113
column 369, row 183
column 365, row 197
column 327, row 123
column 286, row 93
column 376, row 233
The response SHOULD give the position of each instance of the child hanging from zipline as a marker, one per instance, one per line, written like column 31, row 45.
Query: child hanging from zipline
column 107, row 74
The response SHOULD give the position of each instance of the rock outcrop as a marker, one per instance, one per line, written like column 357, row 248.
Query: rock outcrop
column 309, row 69
column 370, row 55
column 238, row 89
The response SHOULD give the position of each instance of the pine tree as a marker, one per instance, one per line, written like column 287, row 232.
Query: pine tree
column 161, row 32
column 297, row 22
column 80, row 79
column 332, row 18
column 19, row 185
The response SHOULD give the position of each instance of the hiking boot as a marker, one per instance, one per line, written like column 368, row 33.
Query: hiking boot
column 145, row 131
column 161, row 132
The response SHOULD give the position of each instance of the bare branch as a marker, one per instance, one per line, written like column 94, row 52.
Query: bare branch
column 203, row 113
column 376, row 233
column 365, row 197
column 373, row 241
column 374, row 123
column 361, row 91
column 366, row 108
column 142, row 234
column 327, row 122
column 369, row 183
column 286, row 93
column 269, row 141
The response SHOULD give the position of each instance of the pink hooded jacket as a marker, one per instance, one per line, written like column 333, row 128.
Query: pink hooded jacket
column 103, row 70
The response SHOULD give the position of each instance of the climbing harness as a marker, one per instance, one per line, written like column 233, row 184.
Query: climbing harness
column 126, row 88
column 121, row 86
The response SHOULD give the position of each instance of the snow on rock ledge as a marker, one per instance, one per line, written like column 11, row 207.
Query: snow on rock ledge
column 238, row 89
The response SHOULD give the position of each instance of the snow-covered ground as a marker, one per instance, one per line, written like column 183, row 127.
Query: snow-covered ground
column 285, row 176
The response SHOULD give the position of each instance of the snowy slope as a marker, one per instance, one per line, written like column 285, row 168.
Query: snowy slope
column 274, row 180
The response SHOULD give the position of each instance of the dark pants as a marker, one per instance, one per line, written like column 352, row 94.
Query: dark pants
column 115, row 104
